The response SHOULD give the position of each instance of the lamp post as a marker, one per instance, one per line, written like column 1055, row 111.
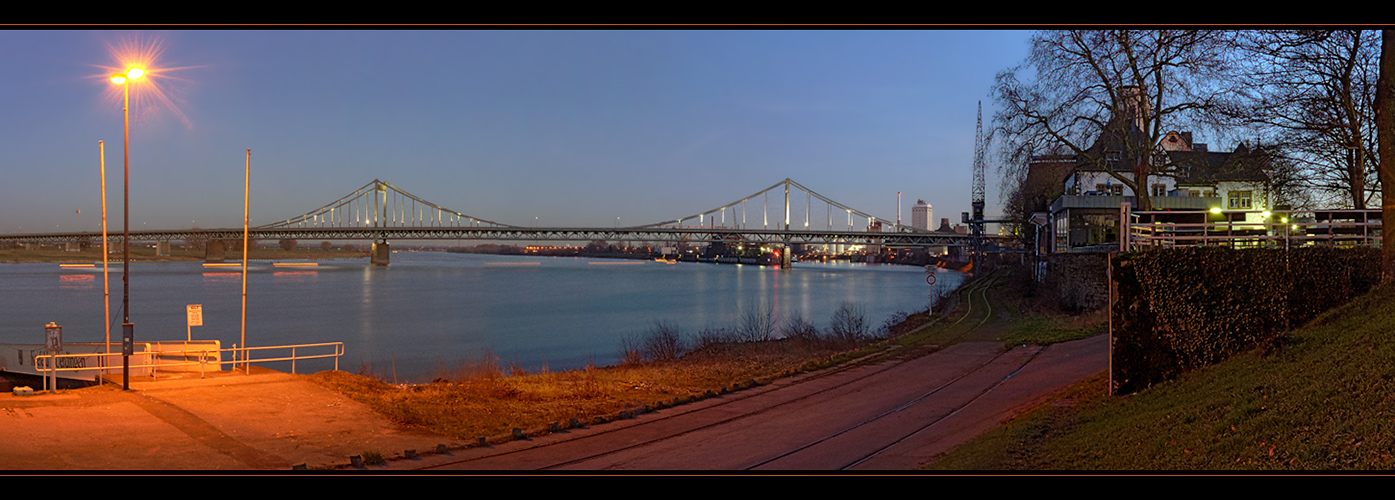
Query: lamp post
column 127, row 329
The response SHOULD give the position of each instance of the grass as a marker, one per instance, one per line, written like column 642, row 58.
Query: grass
column 488, row 403
column 1321, row 401
column 372, row 457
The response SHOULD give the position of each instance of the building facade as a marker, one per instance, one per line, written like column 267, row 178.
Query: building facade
column 921, row 215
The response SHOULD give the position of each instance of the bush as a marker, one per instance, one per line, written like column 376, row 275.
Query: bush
column 797, row 327
column 757, row 324
column 1180, row 309
column 714, row 335
column 848, row 325
column 664, row 342
column 630, row 351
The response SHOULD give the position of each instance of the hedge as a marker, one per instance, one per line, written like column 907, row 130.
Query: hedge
column 1179, row 309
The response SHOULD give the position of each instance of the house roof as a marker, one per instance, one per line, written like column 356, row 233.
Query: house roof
column 1207, row 168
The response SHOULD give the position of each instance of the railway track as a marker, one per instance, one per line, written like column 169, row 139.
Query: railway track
column 770, row 427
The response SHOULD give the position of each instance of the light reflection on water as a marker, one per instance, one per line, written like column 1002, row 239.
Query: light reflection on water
column 432, row 310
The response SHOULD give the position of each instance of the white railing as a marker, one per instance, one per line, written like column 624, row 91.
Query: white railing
column 185, row 359
column 1253, row 229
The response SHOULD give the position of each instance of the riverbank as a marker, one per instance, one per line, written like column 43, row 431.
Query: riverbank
column 487, row 400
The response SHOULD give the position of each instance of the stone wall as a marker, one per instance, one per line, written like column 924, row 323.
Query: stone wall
column 1078, row 282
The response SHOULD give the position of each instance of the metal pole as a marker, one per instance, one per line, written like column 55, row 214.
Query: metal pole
column 246, row 198
column 126, row 237
column 106, row 285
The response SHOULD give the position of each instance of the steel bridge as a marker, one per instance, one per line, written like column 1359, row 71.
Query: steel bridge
column 380, row 211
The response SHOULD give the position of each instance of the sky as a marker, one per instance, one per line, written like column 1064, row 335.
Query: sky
column 571, row 127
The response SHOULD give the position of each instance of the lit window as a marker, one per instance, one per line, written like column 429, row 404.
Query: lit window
column 1239, row 200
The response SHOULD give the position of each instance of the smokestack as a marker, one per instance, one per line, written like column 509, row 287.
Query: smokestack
column 898, row 208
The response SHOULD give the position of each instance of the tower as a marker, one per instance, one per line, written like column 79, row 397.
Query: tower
column 921, row 215
column 976, row 224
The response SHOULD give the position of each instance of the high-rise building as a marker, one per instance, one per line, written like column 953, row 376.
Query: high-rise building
column 921, row 215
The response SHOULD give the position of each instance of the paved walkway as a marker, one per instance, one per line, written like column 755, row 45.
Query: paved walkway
column 270, row 420
column 267, row 420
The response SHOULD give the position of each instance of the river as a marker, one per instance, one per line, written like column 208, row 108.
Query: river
column 431, row 311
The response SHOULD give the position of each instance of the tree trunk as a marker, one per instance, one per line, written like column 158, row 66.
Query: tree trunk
column 1385, row 144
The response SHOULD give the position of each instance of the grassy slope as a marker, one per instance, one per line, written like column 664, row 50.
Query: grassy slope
column 1321, row 402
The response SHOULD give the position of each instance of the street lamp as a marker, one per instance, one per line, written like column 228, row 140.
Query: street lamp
column 127, row 329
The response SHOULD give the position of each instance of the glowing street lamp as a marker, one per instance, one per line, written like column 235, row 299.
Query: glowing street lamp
column 127, row 329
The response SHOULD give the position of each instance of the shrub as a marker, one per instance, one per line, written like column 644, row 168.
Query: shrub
column 848, row 325
column 797, row 327
column 664, row 342
column 757, row 323
column 714, row 335
column 630, row 351
column 1180, row 309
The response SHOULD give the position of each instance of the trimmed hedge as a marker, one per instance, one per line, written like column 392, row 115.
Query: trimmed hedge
column 1180, row 309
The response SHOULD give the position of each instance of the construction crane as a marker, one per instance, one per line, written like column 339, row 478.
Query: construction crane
column 976, row 223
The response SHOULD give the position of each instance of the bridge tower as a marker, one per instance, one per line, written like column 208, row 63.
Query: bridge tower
column 380, row 254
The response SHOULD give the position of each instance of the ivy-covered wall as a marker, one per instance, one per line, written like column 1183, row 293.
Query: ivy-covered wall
column 1077, row 282
column 1179, row 309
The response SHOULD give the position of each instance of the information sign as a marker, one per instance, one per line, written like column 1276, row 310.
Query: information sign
column 195, row 313
column 53, row 337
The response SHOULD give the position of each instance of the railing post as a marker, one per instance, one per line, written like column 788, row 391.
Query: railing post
column 292, row 360
column 1124, row 226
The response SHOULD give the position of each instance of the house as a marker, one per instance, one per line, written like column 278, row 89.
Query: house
column 1191, row 180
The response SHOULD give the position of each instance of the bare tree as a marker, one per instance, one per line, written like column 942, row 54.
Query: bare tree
column 287, row 244
column 1385, row 126
column 1312, row 94
column 1107, row 97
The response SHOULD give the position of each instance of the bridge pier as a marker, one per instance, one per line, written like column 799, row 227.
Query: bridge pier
column 380, row 253
column 72, row 246
column 214, row 251
column 785, row 257
column 162, row 248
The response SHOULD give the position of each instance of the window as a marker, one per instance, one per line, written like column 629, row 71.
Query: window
column 1110, row 189
column 1239, row 200
column 1159, row 190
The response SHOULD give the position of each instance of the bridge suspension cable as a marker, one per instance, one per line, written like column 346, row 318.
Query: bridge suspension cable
column 785, row 212
column 381, row 204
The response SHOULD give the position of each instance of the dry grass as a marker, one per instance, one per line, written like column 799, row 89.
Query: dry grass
column 476, row 401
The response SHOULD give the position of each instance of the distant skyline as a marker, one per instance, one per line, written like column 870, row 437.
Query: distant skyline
column 573, row 127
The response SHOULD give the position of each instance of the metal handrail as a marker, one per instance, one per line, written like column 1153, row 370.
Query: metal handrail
column 1171, row 233
column 44, row 363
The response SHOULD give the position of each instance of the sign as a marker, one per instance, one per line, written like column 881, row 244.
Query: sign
column 53, row 337
column 128, row 339
column 195, row 313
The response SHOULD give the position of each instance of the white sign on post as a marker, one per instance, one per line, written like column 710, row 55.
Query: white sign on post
column 195, row 314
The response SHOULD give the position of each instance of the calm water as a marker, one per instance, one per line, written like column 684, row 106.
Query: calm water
column 429, row 311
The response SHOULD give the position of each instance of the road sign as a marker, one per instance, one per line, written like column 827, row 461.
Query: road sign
column 195, row 313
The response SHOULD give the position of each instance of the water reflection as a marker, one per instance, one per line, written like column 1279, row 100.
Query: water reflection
column 429, row 309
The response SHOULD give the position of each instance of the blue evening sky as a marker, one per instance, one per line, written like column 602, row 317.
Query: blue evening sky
column 575, row 128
